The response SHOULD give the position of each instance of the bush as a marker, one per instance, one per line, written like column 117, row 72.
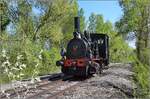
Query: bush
column 49, row 59
column 119, row 50
column 141, row 78
column 32, row 56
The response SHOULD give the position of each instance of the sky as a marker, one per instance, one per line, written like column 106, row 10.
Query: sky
column 110, row 9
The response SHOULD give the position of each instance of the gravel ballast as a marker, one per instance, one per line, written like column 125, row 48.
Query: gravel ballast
column 114, row 83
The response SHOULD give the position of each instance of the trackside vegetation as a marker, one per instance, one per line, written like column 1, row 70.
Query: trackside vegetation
column 135, row 20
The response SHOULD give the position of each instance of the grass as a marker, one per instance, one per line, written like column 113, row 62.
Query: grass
column 142, row 79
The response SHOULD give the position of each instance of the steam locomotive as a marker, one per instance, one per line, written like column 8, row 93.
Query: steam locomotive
column 86, row 53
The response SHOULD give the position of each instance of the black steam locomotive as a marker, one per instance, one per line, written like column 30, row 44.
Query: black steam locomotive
column 86, row 54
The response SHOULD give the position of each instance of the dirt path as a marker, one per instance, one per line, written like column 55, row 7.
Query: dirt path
column 115, row 83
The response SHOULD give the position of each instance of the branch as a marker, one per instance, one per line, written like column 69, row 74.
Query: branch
column 42, row 23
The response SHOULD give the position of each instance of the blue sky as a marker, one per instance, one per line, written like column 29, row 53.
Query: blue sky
column 110, row 9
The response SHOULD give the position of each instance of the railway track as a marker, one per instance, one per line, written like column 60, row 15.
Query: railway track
column 48, row 88
column 17, row 91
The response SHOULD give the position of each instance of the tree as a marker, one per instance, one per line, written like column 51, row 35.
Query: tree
column 4, row 19
column 68, row 23
column 136, row 19
column 92, row 23
column 82, row 19
column 24, row 24
column 103, row 27
column 32, row 32
column 99, row 24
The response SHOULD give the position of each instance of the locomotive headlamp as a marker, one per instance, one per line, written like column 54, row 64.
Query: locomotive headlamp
column 68, row 63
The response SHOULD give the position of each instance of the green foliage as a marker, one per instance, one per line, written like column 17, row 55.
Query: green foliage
column 119, row 50
column 31, row 32
column 136, row 19
column 141, row 77
column 68, row 26
column 135, row 15
column 100, row 24
column 49, row 59
column 4, row 19
column 52, row 32
column 92, row 23
column 82, row 19
column 103, row 27
column 37, row 61
column 97, row 24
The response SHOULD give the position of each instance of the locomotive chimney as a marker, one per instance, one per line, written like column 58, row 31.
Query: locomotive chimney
column 77, row 24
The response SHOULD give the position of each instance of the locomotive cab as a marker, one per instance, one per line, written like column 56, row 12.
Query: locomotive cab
column 102, row 41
